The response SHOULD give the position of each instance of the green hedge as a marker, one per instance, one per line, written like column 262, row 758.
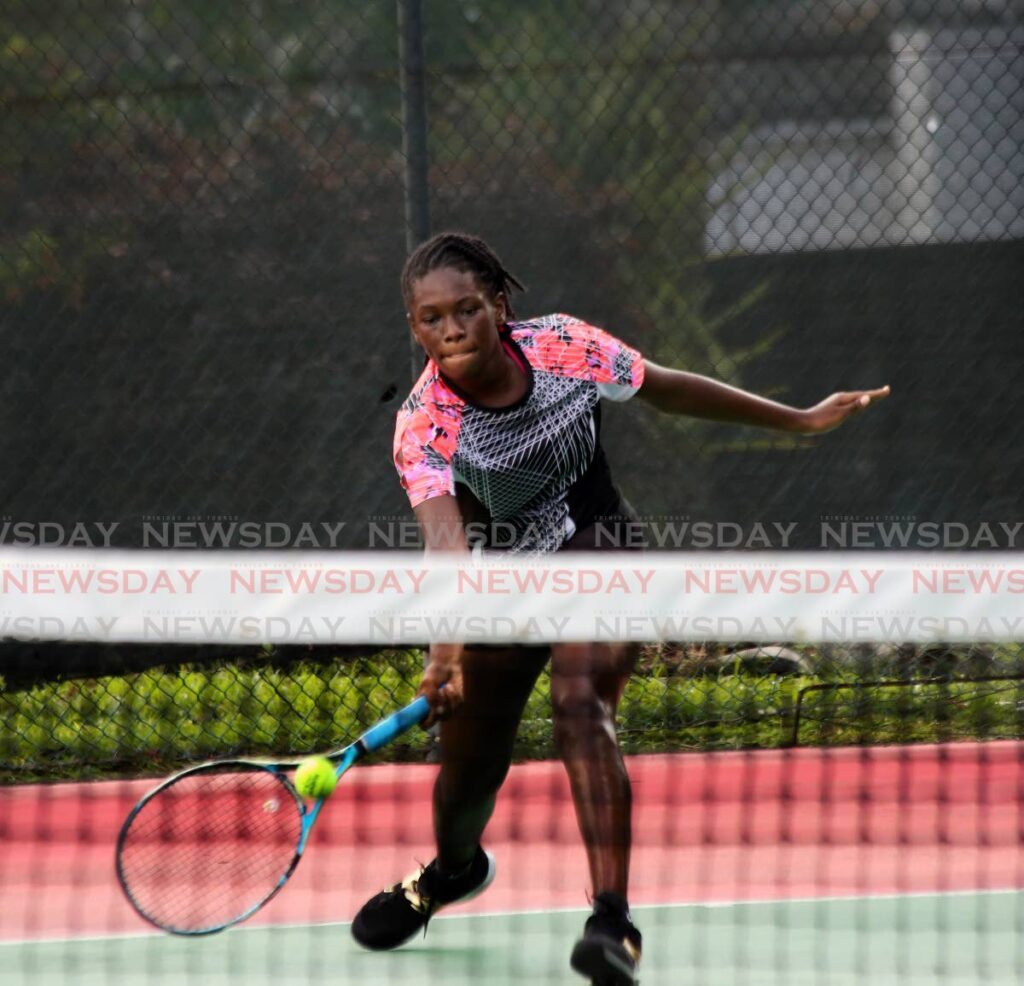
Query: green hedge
column 152, row 721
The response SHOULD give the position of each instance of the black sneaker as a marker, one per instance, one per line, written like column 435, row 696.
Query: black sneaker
column 392, row 917
column 609, row 951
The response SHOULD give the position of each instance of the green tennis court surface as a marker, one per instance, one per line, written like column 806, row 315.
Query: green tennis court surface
column 952, row 940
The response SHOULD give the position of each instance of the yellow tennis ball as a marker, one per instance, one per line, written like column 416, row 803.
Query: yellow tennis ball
column 315, row 777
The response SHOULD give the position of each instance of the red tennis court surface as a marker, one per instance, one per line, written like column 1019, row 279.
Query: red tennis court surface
column 762, row 825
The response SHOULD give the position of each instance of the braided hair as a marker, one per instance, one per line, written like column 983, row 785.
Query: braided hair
column 462, row 252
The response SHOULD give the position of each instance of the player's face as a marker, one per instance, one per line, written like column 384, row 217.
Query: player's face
column 455, row 320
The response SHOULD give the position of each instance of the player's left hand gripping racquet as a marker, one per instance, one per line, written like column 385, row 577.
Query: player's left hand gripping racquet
column 212, row 844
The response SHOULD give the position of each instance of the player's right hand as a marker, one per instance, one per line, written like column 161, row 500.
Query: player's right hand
column 443, row 669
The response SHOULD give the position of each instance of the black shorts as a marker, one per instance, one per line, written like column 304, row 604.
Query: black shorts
column 619, row 531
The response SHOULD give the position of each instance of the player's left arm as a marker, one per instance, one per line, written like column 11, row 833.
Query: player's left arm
column 679, row 392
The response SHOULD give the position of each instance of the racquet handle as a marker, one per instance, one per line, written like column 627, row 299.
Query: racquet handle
column 396, row 724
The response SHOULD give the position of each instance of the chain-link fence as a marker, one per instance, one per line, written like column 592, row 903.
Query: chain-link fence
column 150, row 717
column 206, row 346
column 204, row 224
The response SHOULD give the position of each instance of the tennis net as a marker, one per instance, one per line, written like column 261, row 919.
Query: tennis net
column 806, row 809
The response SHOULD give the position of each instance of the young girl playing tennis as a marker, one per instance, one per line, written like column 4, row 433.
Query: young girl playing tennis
column 503, row 424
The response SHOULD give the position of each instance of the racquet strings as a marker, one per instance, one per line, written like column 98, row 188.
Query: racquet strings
column 204, row 851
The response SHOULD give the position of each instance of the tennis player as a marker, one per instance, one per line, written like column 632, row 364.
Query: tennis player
column 503, row 425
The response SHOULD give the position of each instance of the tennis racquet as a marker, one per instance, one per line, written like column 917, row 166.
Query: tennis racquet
column 211, row 845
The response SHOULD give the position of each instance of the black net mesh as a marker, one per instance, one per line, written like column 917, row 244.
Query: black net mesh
column 204, row 221
column 204, row 229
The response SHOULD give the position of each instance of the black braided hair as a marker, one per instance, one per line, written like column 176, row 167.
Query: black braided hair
column 463, row 252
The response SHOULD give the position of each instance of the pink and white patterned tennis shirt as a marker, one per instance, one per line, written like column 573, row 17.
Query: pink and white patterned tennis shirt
column 536, row 466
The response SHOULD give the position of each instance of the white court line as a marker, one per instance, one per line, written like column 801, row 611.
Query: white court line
column 530, row 912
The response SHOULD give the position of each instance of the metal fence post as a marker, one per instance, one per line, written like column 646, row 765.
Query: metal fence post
column 414, row 136
column 417, row 166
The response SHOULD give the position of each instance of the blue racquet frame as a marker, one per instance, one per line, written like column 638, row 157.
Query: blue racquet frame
column 373, row 739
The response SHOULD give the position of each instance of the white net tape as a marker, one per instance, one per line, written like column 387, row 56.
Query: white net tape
column 399, row 598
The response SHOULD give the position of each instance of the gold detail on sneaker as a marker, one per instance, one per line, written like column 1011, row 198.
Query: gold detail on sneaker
column 410, row 886
column 631, row 950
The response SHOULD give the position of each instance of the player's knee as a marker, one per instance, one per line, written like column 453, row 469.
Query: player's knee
column 580, row 715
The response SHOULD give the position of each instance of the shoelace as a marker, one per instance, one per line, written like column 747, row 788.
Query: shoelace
column 410, row 888
column 418, row 901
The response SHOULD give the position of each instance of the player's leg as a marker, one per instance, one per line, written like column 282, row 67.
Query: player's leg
column 587, row 682
column 475, row 754
column 476, row 746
